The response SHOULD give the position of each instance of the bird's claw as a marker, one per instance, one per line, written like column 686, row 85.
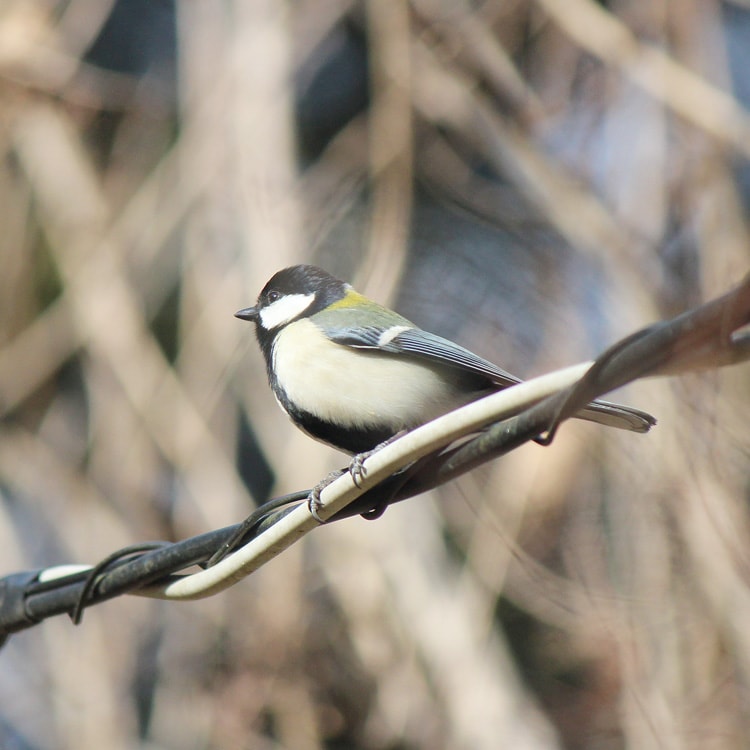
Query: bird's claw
column 357, row 468
column 314, row 502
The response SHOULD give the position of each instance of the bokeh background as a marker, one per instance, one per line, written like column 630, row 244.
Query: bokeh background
column 532, row 178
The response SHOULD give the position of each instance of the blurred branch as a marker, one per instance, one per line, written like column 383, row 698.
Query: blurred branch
column 601, row 33
column 452, row 102
column 463, row 38
column 105, row 308
column 391, row 149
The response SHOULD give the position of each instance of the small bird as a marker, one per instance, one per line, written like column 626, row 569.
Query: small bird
column 353, row 374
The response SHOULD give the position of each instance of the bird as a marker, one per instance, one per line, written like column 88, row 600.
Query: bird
column 353, row 374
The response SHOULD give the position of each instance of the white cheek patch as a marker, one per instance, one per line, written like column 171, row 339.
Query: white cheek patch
column 285, row 309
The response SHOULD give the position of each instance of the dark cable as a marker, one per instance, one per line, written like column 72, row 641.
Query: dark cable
column 91, row 579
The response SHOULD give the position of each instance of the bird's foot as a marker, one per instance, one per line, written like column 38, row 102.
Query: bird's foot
column 357, row 467
column 313, row 499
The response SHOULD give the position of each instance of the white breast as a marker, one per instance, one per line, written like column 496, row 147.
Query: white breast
column 357, row 387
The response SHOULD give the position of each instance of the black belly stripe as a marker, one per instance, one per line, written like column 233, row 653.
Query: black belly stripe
column 350, row 440
column 347, row 439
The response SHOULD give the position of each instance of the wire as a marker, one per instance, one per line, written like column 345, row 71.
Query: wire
column 101, row 567
column 712, row 335
column 27, row 598
column 246, row 528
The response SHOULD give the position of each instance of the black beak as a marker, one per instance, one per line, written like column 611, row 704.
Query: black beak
column 249, row 313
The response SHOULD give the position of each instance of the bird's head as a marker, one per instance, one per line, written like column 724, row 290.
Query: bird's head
column 293, row 293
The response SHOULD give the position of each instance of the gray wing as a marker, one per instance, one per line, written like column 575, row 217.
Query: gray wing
column 403, row 340
column 418, row 343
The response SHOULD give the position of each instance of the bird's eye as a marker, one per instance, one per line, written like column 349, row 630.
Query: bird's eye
column 273, row 296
